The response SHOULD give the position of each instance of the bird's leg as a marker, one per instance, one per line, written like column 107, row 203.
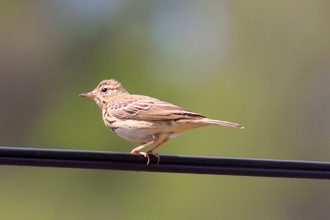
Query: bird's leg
column 156, row 154
column 137, row 149
column 154, row 148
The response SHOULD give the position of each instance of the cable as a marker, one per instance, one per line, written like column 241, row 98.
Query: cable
column 19, row 156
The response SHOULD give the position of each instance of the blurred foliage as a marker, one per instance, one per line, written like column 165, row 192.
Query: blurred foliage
column 264, row 65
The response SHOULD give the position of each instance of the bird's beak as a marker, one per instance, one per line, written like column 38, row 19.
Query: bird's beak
column 88, row 95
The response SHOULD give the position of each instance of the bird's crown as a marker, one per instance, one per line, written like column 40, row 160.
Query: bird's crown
column 109, row 84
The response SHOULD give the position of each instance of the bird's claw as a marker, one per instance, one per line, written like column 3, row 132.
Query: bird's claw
column 147, row 155
column 155, row 154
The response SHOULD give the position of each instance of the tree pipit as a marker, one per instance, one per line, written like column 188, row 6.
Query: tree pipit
column 145, row 120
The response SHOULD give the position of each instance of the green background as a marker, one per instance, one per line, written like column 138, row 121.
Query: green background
column 263, row 64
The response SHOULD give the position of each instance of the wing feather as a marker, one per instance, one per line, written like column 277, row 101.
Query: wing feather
column 139, row 107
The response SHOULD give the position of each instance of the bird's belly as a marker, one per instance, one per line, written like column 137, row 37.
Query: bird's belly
column 134, row 135
column 143, row 131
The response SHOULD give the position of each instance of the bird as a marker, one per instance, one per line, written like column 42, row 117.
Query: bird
column 145, row 120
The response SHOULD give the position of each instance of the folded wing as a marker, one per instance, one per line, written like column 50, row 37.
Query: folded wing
column 139, row 107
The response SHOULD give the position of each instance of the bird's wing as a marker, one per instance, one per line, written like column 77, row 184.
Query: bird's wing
column 146, row 108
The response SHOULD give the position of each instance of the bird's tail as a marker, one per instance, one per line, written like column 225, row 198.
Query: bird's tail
column 206, row 122
column 221, row 123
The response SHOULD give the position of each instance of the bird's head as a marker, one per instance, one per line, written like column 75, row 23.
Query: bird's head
column 105, row 91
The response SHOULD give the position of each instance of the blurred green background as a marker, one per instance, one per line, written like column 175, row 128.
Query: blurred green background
column 263, row 64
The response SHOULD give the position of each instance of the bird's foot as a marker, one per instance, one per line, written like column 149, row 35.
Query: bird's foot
column 155, row 154
column 143, row 154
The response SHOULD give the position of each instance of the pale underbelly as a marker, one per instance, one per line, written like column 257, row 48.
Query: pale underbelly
column 144, row 131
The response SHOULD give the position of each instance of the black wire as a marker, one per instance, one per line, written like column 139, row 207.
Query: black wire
column 18, row 156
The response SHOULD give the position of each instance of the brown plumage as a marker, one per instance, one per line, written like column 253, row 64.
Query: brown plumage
column 145, row 120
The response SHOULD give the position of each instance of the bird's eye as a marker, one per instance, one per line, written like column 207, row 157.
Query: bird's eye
column 104, row 90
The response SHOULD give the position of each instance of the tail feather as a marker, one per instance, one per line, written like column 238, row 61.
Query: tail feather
column 206, row 122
